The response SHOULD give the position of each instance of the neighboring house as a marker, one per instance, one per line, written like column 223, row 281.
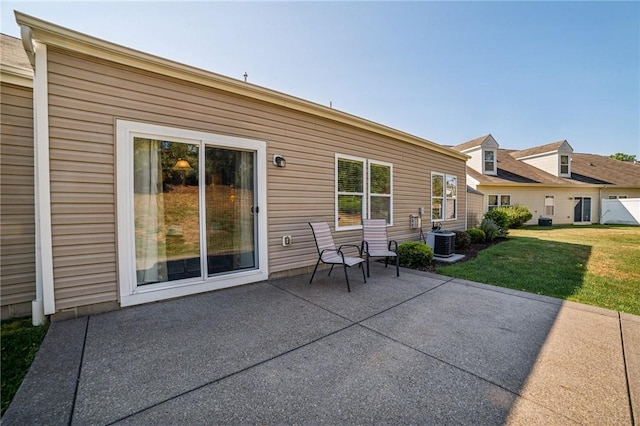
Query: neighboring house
column 157, row 180
column 551, row 180
column 17, row 223
column 475, row 207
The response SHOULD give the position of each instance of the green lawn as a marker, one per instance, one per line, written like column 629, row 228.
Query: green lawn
column 597, row 265
column 20, row 342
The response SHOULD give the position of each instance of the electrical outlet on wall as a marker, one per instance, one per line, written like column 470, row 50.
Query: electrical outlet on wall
column 286, row 240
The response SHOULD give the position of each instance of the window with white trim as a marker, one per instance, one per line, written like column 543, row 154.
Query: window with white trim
column 380, row 190
column 444, row 197
column 364, row 189
column 489, row 161
column 564, row 165
column 549, row 205
column 498, row 201
column 451, row 197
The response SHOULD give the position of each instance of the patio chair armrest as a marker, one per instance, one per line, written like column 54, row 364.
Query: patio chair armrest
column 393, row 243
column 351, row 245
column 332, row 250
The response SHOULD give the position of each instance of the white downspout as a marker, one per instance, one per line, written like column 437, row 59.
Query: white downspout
column 44, row 303
column 466, row 198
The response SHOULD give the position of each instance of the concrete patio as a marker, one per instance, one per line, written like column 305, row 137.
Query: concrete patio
column 421, row 349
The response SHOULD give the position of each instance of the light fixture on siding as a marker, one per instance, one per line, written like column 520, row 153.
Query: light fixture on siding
column 182, row 165
column 279, row 161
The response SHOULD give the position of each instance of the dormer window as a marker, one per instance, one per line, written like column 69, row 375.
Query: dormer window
column 564, row 166
column 489, row 162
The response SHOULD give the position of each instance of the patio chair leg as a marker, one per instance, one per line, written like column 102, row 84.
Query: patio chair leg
column 386, row 261
column 363, row 277
column 314, row 271
column 397, row 266
column 367, row 265
column 330, row 270
column 347, row 276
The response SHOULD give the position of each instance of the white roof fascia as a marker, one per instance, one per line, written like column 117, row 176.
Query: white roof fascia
column 14, row 75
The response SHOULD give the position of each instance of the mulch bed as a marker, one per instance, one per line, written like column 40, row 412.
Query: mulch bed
column 470, row 253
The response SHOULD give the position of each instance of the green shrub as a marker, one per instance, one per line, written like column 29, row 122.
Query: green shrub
column 499, row 216
column 517, row 215
column 463, row 240
column 490, row 229
column 477, row 235
column 415, row 254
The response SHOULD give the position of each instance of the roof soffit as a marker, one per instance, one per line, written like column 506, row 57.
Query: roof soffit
column 55, row 35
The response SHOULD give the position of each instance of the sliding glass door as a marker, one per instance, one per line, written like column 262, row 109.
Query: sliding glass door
column 230, row 203
column 190, row 214
column 582, row 209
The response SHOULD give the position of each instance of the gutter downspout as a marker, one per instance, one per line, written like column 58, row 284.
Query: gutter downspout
column 466, row 199
column 600, row 203
column 44, row 303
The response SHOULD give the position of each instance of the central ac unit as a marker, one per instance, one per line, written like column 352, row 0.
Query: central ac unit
column 442, row 242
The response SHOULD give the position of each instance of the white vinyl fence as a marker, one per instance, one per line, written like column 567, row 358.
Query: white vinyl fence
column 621, row 211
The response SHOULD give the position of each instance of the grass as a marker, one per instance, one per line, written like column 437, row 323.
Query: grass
column 597, row 265
column 20, row 342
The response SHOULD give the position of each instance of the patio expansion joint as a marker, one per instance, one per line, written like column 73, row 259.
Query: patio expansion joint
column 219, row 379
column 626, row 371
column 471, row 373
column 79, row 375
column 370, row 316
column 232, row 374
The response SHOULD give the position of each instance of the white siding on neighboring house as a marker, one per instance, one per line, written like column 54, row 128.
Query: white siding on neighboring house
column 534, row 198
column 548, row 162
column 475, row 162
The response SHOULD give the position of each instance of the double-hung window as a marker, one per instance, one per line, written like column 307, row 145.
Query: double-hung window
column 489, row 161
column 364, row 189
column 444, row 196
column 549, row 205
column 498, row 201
column 380, row 189
column 564, row 165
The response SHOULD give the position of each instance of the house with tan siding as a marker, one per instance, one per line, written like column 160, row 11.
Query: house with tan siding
column 158, row 180
column 551, row 180
column 17, row 224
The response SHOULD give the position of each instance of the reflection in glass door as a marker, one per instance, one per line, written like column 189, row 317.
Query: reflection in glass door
column 166, row 211
column 229, row 204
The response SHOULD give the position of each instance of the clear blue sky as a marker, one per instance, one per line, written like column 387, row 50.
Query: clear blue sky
column 529, row 73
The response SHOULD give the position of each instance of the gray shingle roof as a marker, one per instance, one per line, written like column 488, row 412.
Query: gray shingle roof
column 550, row 147
column 586, row 169
column 472, row 143
column 12, row 52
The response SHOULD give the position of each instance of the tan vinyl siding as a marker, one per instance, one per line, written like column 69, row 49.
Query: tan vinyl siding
column 87, row 95
column 475, row 209
column 17, row 218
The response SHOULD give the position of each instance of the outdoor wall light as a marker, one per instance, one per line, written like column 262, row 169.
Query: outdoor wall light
column 279, row 161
